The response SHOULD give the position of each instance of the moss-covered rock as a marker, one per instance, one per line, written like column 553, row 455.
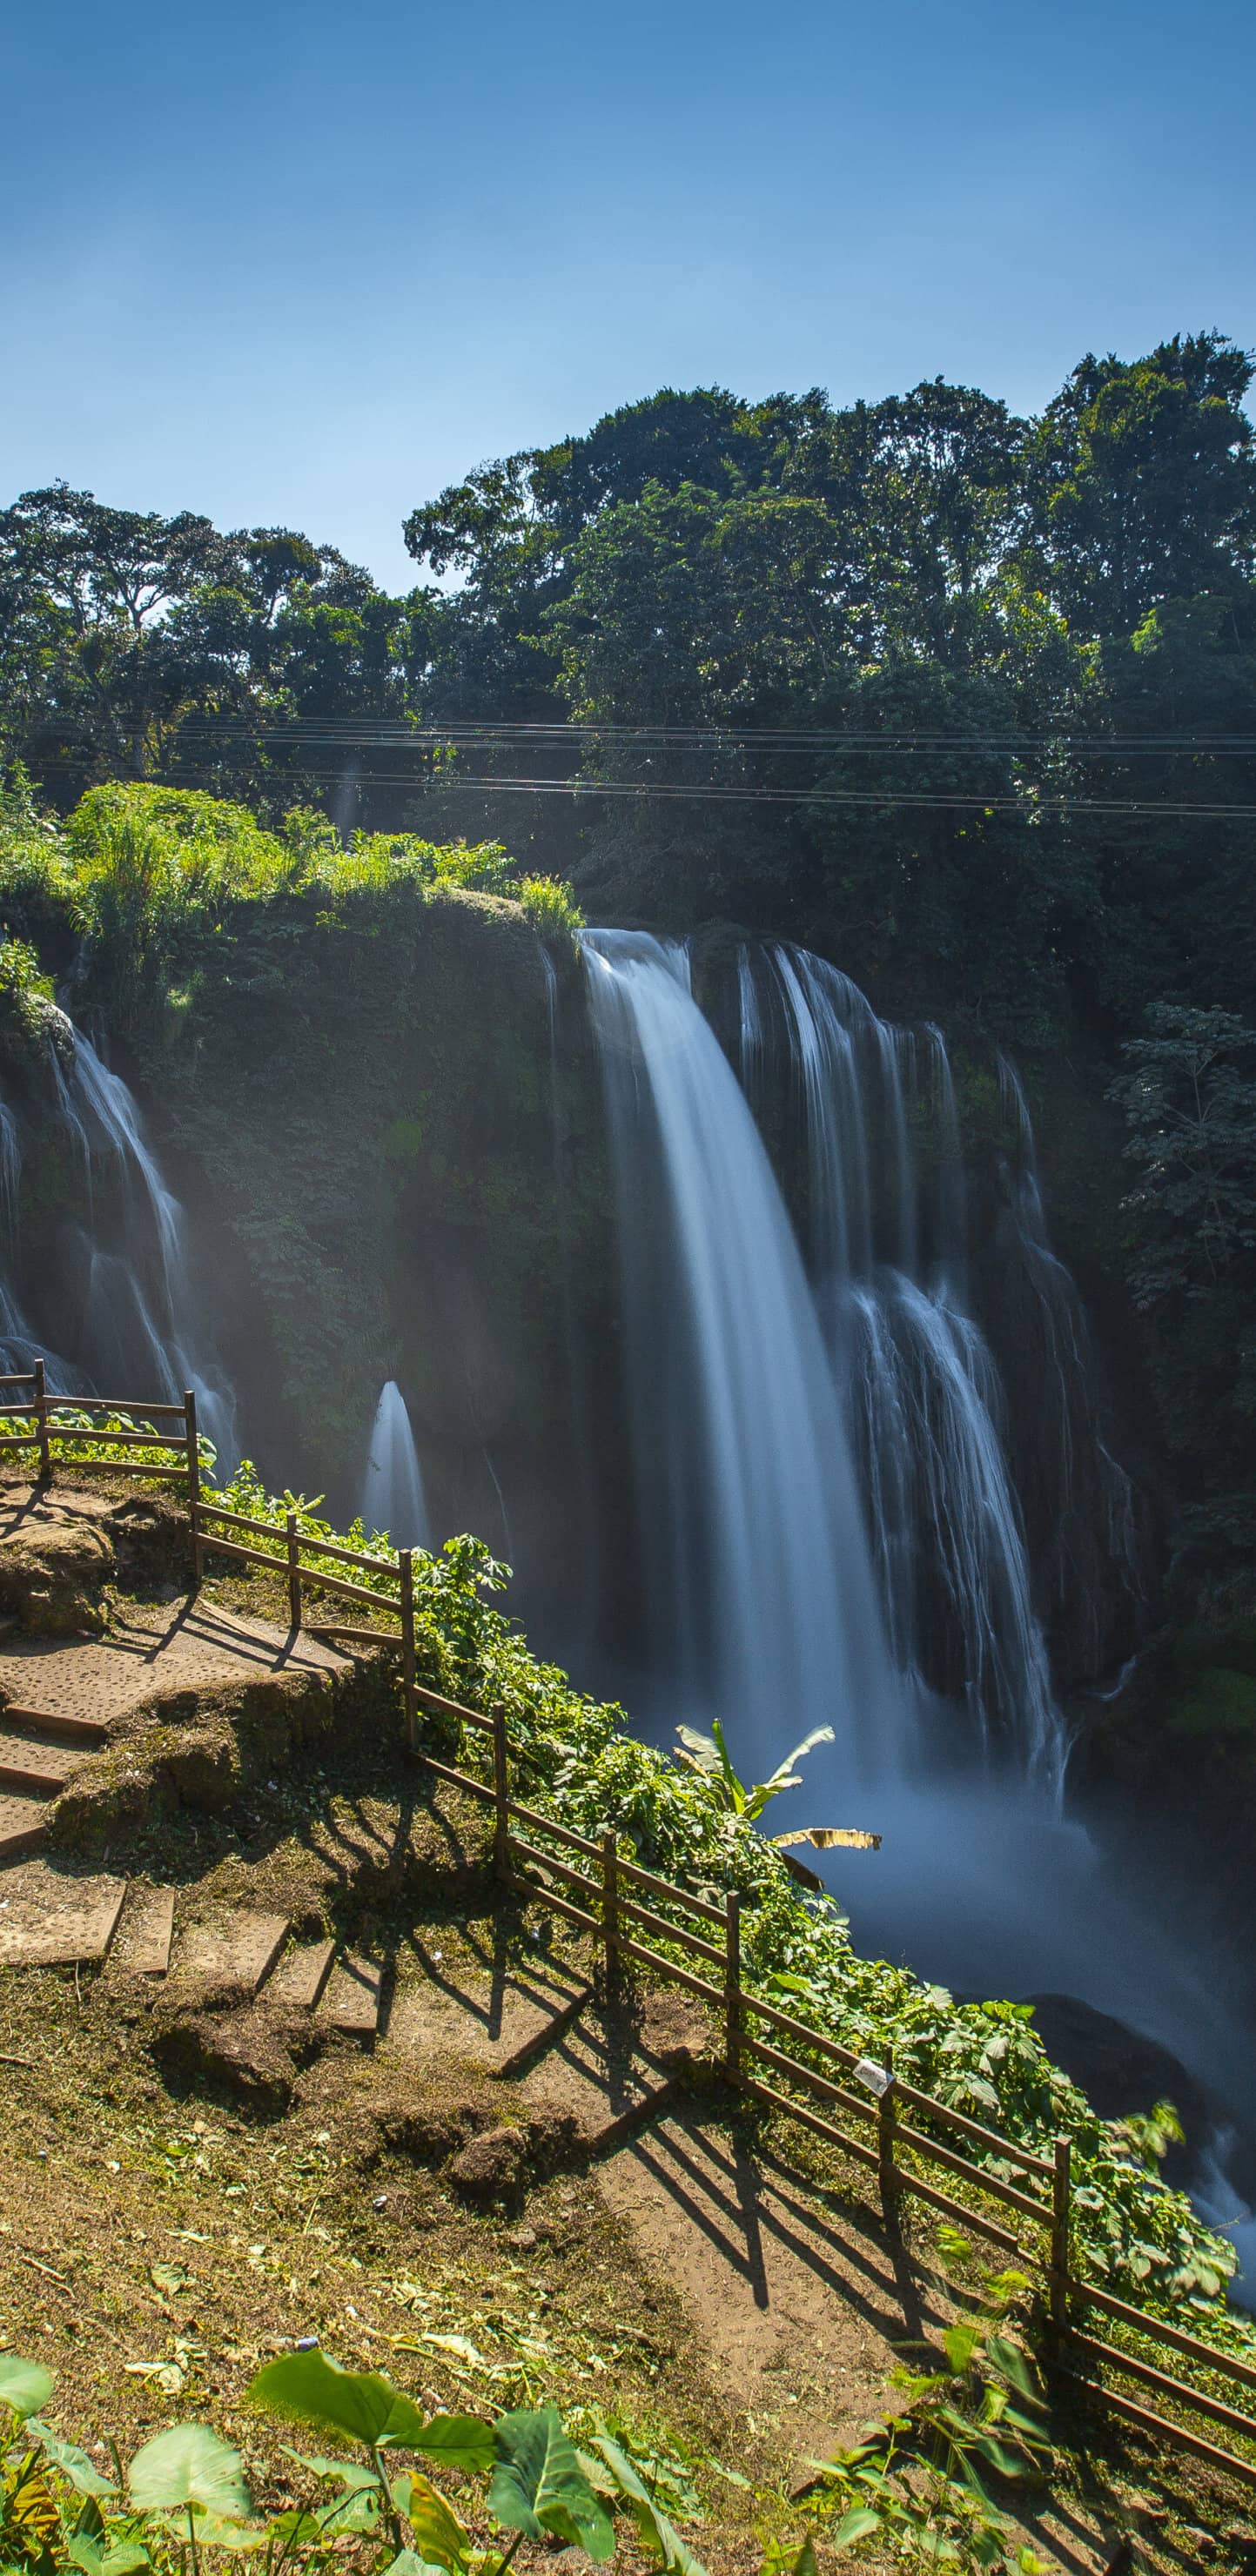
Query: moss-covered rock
column 53, row 1574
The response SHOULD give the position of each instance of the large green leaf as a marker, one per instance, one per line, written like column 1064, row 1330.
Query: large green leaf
column 441, row 2537
column 189, row 2465
column 74, row 2464
column 24, row 2385
column 309, row 2388
column 459, row 2441
column 652, row 2523
column 858, row 2524
column 538, row 2485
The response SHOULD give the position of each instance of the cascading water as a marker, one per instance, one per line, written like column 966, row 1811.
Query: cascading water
column 393, row 1499
column 125, row 1305
column 829, row 1521
column 913, row 1369
column 759, row 1580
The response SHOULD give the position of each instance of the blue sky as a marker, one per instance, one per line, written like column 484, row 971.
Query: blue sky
column 304, row 265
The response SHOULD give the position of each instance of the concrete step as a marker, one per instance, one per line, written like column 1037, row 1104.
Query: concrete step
column 27, row 1764
column 239, row 1948
column 299, row 1979
column 147, row 1932
column 352, row 1999
column 23, row 1824
column 51, row 1920
column 54, row 1725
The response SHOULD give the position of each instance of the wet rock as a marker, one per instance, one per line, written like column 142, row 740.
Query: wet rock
column 1121, row 2071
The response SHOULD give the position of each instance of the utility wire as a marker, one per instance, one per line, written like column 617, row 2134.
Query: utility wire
column 865, row 799
column 380, row 733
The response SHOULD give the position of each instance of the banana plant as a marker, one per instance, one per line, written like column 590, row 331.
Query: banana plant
column 710, row 1757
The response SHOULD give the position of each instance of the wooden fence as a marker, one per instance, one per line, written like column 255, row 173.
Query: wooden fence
column 853, row 2103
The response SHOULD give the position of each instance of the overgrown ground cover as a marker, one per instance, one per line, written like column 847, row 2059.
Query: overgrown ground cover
column 165, row 2241
column 1138, row 2237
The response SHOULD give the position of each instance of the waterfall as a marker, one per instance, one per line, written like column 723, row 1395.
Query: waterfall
column 1078, row 1500
column 759, row 1582
column 912, row 1366
column 124, row 1305
column 974, row 1498
column 140, row 1308
column 392, row 1486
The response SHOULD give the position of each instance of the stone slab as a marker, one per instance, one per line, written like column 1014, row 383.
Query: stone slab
column 26, row 1764
column 240, row 1948
column 48, row 1921
column 353, row 1997
column 180, row 1646
column 300, row 1978
column 54, row 1723
column 147, row 1932
column 23, row 1823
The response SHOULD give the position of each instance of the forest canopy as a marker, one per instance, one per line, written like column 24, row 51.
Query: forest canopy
column 956, row 696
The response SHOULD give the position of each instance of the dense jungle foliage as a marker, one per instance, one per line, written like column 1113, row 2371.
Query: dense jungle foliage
column 961, row 699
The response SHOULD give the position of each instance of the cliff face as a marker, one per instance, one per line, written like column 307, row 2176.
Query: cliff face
column 390, row 1134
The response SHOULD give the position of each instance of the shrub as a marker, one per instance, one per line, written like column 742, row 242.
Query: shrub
column 552, row 909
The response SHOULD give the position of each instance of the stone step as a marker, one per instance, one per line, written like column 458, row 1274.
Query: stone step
column 26, row 1764
column 148, row 1931
column 352, row 1999
column 23, row 1824
column 300, row 1978
column 58, row 1726
column 48, row 1921
column 240, row 1949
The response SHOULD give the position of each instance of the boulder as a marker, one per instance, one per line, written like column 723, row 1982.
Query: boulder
column 53, row 1571
column 1121, row 2071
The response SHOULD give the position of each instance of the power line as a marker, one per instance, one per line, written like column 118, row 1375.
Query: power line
column 386, row 733
column 866, row 799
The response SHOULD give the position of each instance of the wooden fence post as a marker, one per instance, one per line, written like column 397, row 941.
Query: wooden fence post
column 1061, row 2197
column 501, row 1793
column 40, row 1410
column 732, row 1986
column 610, row 1911
column 294, row 1570
column 194, row 1481
column 405, row 1569
column 887, row 2121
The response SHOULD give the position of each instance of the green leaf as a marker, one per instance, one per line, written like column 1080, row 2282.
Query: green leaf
column 309, row 2388
column 24, row 2385
column 652, row 2523
column 408, row 2563
column 214, row 2531
column 354, row 2474
column 459, row 2441
column 538, row 2485
column 441, row 2537
column 1012, row 2365
column 189, row 2465
column 959, row 2343
column 83, row 2552
column 858, row 2524
column 74, row 2464
column 125, row 2558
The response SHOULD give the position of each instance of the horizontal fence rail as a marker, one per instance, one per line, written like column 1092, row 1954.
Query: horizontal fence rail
column 606, row 1897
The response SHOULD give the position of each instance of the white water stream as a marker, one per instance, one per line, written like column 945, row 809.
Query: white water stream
column 830, row 1522
column 392, row 1497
